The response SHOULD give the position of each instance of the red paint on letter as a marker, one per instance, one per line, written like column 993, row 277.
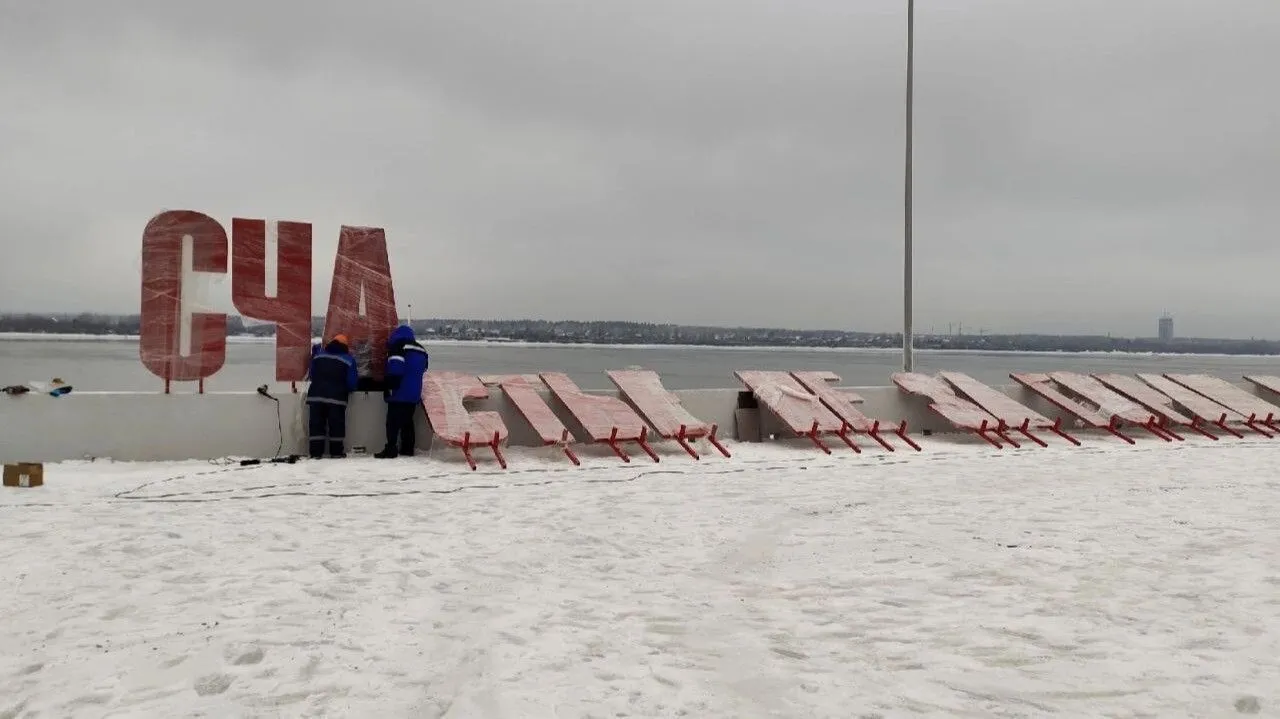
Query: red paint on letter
column 444, row 397
column 160, row 347
column 362, row 271
column 290, row 309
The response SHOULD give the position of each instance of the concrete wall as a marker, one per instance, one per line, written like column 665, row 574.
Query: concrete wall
column 137, row 426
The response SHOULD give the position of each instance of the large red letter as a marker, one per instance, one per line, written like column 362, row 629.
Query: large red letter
column 362, row 301
column 290, row 308
column 162, row 274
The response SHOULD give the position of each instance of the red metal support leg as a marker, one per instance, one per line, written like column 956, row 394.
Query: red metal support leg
column 1057, row 429
column 1114, row 428
column 568, row 451
column 466, row 451
column 812, row 434
column 874, row 433
column 1165, row 427
column 901, row 431
column 643, row 441
column 1222, row 425
column 844, row 435
column 497, row 450
column 682, row 439
column 1196, row 426
column 613, row 444
column 1025, row 430
column 1156, row 430
column 1253, row 422
column 715, row 442
column 982, row 432
column 1002, row 431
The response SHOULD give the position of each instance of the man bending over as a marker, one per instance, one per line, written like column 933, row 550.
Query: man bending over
column 333, row 378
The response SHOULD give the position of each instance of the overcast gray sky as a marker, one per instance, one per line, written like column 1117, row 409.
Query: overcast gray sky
column 1081, row 165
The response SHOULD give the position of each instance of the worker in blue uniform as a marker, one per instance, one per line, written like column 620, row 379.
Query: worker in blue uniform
column 406, row 366
column 333, row 378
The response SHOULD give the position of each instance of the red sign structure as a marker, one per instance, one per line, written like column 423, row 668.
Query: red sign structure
column 362, row 306
column 361, row 301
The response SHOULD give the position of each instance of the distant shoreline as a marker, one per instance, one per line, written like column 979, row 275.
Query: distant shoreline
column 258, row 340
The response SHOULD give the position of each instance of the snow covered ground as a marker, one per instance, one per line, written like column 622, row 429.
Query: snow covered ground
column 959, row 582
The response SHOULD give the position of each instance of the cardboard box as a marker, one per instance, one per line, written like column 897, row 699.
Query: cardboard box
column 24, row 474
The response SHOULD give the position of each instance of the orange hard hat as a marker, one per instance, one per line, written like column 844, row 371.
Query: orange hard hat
column 341, row 338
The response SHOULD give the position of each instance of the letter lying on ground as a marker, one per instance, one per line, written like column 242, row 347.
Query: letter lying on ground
column 663, row 409
column 522, row 392
column 444, row 396
column 608, row 420
column 802, row 411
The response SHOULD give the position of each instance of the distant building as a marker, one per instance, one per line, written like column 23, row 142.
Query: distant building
column 1166, row 329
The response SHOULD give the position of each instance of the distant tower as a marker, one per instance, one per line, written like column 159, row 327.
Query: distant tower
column 1166, row 328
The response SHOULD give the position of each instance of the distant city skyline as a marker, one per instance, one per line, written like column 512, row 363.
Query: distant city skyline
column 952, row 329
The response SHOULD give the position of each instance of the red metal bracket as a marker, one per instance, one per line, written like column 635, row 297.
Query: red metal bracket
column 1002, row 431
column 711, row 437
column 874, row 433
column 613, row 444
column 1057, row 429
column 1154, row 428
column 565, row 439
column 497, row 450
column 843, row 434
column 466, row 444
column 1253, row 422
column 1222, row 425
column 813, row 433
column 682, row 439
column 1114, row 428
column 1195, row 427
column 1163, row 423
column 1025, row 430
column 901, row 431
column 642, row 440
column 1270, row 421
column 982, row 431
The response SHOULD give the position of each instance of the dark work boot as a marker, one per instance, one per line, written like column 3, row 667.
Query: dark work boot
column 386, row 453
